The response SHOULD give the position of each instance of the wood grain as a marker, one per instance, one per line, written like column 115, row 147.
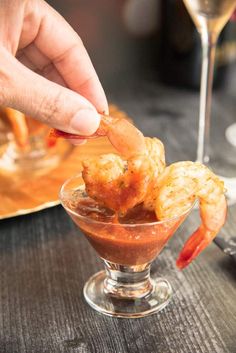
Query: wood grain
column 45, row 261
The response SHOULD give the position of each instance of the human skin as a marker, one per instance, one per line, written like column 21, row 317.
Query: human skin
column 45, row 70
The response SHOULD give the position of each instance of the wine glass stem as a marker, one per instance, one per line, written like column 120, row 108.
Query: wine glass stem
column 208, row 58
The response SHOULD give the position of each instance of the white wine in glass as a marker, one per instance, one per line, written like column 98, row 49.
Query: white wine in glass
column 209, row 16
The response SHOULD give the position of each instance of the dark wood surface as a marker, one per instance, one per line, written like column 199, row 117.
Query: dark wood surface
column 45, row 261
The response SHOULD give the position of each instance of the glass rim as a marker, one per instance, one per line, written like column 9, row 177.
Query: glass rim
column 87, row 219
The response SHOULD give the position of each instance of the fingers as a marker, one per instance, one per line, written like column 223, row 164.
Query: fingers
column 41, row 66
column 35, row 56
column 51, row 47
column 68, row 55
column 77, row 142
column 60, row 107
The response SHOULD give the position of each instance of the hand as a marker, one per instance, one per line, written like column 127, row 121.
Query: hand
column 45, row 71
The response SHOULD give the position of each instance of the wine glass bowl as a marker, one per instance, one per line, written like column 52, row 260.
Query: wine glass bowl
column 127, row 245
column 210, row 17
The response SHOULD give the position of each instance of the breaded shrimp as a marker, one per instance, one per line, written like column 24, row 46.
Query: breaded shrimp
column 175, row 192
column 119, row 184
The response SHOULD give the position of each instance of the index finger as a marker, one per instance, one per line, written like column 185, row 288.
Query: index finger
column 61, row 44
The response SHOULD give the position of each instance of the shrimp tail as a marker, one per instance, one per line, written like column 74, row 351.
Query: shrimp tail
column 197, row 242
column 123, row 135
column 54, row 134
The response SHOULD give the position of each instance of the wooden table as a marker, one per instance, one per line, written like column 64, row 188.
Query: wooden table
column 45, row 262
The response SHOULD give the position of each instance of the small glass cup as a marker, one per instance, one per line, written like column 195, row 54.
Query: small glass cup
column 125, row 289
column 36, row 156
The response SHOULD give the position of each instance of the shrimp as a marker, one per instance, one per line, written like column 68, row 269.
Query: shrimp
column 19, row 126
column 123, row 135
column 175, row 192
column 119, row 184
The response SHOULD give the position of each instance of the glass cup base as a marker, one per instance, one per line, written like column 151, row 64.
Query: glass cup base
column 109, row 305
column 37, row 159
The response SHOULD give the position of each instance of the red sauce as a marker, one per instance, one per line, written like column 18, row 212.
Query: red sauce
column 114, row 237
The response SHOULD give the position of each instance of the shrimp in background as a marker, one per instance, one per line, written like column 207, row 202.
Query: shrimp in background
column 18, row 124
column 119, row 184
column 175, row 192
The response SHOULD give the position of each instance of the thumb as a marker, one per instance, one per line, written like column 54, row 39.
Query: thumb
column 45, row 100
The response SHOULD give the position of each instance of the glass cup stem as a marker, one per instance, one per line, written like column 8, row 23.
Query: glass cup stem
column 127, row 282
column 127, row 291
column 209, row 40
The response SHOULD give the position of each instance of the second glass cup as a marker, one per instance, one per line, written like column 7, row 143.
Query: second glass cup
column 26, row 144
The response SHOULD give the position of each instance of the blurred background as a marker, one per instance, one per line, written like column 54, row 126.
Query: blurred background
column 155, row 39
column 148, row 57
column 120, row 36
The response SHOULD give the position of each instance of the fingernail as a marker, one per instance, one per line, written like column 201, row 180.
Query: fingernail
column 77, row 142
column 85, row 122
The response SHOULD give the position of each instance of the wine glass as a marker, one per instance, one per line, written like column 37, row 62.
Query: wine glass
column 127, row 245
column 210, row 16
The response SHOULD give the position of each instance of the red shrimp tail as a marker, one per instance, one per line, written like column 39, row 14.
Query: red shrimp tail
column 54, row 134
column 51, row 139
column 102, row 130
column 194, row 246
